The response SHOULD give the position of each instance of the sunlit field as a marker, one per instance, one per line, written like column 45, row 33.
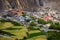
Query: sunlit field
column 12, row 32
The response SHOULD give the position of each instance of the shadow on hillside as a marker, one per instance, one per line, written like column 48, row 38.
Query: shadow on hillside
column 6, row 33
column 12, row 28
column 36, row 34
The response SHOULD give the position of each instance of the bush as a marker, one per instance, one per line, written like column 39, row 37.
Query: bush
column 52, row 26
column 41, row 26
column 41, row 21
column 32, row 28
column 32, row 24
column 33, row 18
column 53, row 35
column 2, row 20
column 57, row 23
column 16, row 23
column 55, row 26
column 50, row 21
column 24, row 14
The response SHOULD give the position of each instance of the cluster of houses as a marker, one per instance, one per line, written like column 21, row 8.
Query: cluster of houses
column 47, row 14
column 16, row 14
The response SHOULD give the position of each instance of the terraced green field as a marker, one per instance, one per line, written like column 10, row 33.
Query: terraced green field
column 19, row 32
column 37, row 35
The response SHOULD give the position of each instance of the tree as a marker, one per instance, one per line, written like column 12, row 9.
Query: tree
column 32, row 24
column 41, row 21
column 53, row 35
column 50, row 21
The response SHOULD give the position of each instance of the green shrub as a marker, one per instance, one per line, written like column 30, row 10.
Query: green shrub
column 55, row 26
column 41, row 26
column 57, row 23
column 24, row 14
column 33, row 18
column 16, row 23
column 32, row 24
column 2, row 20
column 53, row 35
column 52, row 26
column 32, row 28
column 41, row 21
column 50, row 21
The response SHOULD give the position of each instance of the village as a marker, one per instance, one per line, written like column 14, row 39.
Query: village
column 20, row 22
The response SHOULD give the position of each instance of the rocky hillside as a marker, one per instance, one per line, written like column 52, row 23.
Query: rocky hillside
column 29, row 4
